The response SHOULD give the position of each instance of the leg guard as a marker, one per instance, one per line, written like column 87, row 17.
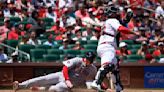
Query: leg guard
column 117, row 82
column 101, row 74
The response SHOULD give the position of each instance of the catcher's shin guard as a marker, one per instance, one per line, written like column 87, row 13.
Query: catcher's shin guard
column 101, row 74
column 117, row 82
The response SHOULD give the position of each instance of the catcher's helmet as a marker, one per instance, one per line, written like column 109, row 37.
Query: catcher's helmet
column 111, row 11
column 90, row 56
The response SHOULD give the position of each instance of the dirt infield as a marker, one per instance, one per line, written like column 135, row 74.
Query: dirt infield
column 86, row 90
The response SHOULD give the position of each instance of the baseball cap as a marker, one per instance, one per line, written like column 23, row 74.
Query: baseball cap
column 160, row 44
column 144, row 43
column 122, row 44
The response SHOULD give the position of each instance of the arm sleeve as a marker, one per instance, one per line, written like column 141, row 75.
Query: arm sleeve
column 65, row 73
column 124, row 30
column 72, row 62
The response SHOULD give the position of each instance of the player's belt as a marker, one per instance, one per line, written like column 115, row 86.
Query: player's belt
column 105, row 33
column 106, row 43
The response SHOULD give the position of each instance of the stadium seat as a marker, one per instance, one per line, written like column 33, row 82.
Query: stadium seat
column 1, row 23
column 55, row 51
column 134, row 51
column 63, row 56
column 90, row 46
column 15, row 19
column 151, row 50
column 26, row 48
column 56, row 46
column 12, row 43
column 59, row 41
column 83, row 52
column 72, row 52
column 1, row 19
column 43, row 47
column 82, row 42
column 136, row 46
column 133, row 58
column 70, row 46
column 51, row 58
column 94, row 42
column 128, row 41
column 37, row 55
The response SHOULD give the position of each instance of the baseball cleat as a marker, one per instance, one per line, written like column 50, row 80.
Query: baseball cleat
column 15, row 86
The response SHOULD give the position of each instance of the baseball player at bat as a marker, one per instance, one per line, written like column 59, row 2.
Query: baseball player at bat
column 76, row 72
column 107, row 46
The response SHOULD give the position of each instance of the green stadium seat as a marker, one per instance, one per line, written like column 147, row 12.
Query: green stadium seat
column 12, row 43
column 1, row 23
column 59, row 41
column 55, row 51
column 48, row 20
column 56, row 46
column 136, row 46
column 82, row 42
column 151, row 50
column 26, row 48
column 72, row 52
column 15, row 19
column 37, row 55
column 90, row 46
column 133, row 58
column 83, row 52
column 134, row 51
column 70, row 46
column 43, row 47
column 51, row 58
column 94, row 42
column 128, row 41
column 1, row 19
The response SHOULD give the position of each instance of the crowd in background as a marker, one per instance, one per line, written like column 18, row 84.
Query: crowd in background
column 68, row 25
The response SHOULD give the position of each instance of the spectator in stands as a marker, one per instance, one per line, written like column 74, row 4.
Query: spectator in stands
column 3, row 56
column 33, row 18
column 143, row 36
column 68, row 36
column 159, row 12
column 77, row 46
column 158, row 36
column 15, row 33
column 4, row 29
column 56, row 28
column 96, row 34
column 24, row 40
column 65, row 44
column 87, row 32
column 78, row 35
column 144, row 51
column 159, row 50
column 14, row 58
column 51, row 14
column 81, row 12
column 123, row 51
column 33, row 40
column 50, row 41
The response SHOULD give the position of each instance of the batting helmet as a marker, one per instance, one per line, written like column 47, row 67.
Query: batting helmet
column 90, row 56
